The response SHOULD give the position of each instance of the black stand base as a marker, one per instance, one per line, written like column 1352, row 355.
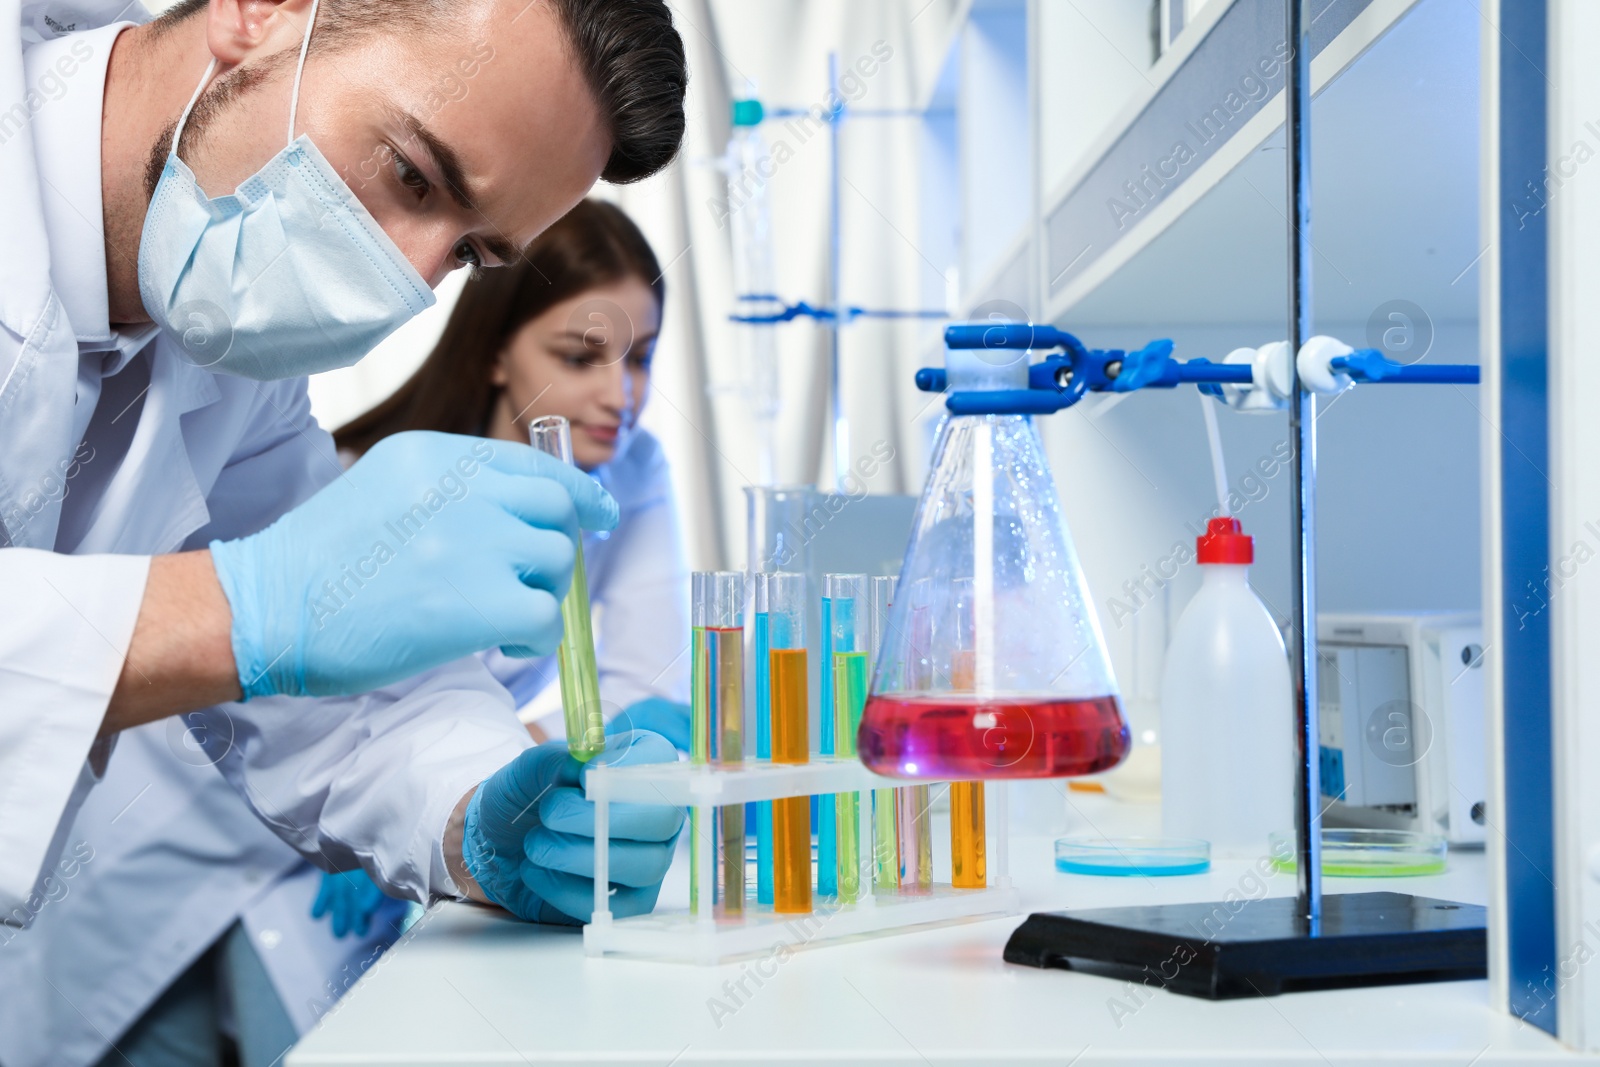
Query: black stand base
column 1263, row 947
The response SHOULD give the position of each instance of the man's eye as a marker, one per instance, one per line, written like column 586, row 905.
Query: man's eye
column 410, row 176
column 467, row 255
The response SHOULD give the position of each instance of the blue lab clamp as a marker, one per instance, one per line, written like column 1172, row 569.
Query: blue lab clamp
column 1063, row 377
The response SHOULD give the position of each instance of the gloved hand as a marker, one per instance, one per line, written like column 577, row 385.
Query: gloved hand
column 350, row 898
column 431, row 547
column 529, row 835
column 658, row 715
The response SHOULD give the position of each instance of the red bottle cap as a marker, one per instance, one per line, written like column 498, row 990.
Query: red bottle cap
column 1225, row 542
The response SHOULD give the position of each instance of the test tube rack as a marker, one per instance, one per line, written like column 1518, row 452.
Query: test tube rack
column 714, row 935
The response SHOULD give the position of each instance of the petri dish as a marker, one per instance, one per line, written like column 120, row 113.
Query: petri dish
column 1127, row 857
column 1368, row 853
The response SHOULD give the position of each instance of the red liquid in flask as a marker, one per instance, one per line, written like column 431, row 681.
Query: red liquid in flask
column 963, row 737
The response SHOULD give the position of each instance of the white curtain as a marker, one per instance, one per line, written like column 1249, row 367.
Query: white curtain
column 696, row 407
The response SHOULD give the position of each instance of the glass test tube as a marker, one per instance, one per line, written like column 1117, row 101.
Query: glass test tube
column 791, row 742
column 968, row 830
column 827, row 823
column 763, row 672
column 847, row 597
column 885, row 848
column 725, row 641
column 699, row 713
column 580, row 682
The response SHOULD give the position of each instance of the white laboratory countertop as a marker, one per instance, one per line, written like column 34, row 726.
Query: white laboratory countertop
column 471, row 986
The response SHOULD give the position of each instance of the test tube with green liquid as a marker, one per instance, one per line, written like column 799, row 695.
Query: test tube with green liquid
column 847, row 601
column 580, row 681
column 885, row 844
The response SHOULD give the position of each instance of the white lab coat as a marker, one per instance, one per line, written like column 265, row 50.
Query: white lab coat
column 174, row 857
column 113, row 448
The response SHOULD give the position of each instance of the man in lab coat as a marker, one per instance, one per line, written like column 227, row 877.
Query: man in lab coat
column 175, row 533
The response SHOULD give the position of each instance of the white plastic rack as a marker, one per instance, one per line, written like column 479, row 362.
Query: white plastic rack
column 712, row 936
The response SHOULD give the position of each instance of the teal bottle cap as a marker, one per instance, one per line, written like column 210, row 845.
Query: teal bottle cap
column 748, row 113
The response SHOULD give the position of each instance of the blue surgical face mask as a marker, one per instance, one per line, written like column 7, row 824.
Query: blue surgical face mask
column 288, row 276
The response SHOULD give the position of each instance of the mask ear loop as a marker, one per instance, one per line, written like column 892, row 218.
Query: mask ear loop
column 183, row 119
column 300, row 68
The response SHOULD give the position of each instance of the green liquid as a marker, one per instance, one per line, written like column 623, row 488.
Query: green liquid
column 580, row 681
column 849, row 698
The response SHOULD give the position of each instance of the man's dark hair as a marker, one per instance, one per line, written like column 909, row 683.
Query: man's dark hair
column 628, row 50
column 633, row 58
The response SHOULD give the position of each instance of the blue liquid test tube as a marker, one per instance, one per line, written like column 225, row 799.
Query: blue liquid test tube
column 763, row 740
column 825, row 812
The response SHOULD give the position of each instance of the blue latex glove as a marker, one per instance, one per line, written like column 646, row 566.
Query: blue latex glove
column 529, row 835
column 658, row 715
column 432, row 547
column 350, row 899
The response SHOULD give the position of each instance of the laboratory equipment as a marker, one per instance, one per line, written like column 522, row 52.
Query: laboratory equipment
column 888, row 805
column 790, row 780
column 699, row 712
column 580, row 681
column 1274, row 944
column 716, row 646
column 748, row 167
column 826, row 812
column 993, row 663
column 1363, row 853
column 726, row 633
column 791, row 739
column 1227, row 750
column 754, row 272
column 969, row 836
column 760, row 631
column 1400, row 720
column 1144, row 857
column 848, row 615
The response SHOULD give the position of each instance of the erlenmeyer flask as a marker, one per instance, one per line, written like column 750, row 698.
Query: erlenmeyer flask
column 993, row 664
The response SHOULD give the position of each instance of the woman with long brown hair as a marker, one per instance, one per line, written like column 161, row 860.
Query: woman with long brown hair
column 571, row 330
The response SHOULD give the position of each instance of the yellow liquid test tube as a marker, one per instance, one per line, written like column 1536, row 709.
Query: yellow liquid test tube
column 582, row 711
column 969, row 842
column 968, row 836
column 791, row 742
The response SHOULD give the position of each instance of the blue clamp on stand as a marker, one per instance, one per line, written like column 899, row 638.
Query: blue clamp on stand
column 1369, row 365
column 1064, row 377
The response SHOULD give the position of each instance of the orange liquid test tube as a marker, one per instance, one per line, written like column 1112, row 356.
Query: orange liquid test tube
column 791, row 742
column 969, row 843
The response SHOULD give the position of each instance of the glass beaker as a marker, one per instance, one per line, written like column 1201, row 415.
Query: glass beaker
column 993, row 664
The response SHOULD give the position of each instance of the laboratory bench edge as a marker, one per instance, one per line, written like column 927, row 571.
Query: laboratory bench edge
column 469, row 985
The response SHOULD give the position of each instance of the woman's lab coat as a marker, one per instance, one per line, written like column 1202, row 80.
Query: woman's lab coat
column 174, row 858
column 114, row 448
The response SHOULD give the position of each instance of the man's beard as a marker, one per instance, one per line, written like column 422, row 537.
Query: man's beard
column 214, row 102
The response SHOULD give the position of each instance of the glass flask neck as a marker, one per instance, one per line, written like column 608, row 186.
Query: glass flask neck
column 985, row 369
